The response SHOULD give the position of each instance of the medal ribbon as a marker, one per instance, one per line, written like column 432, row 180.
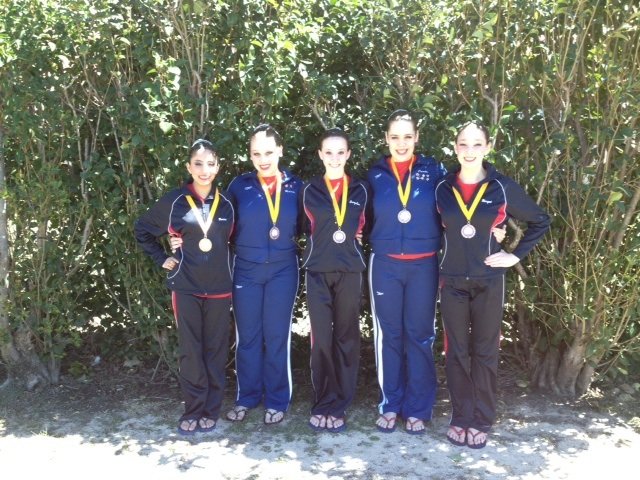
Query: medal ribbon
column 341, row 210
column 204, row 225
column 468, row 212
column 274, row 210
column 403, row 194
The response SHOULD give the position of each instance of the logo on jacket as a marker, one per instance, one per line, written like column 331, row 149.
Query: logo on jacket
column 486, row 201
column 353, row 202
column 222, row 219
column 421, row 176
column 379, row 293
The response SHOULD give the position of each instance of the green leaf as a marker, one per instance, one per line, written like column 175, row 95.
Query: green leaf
column 166, row 127
column 614, row 197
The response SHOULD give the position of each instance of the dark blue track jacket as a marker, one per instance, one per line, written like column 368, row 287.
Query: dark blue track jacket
column 198, row 273
column 321, row 253
column 504, row 198
column 423, row 233
column 253, row 221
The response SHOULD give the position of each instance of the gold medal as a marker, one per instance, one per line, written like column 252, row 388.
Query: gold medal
column 205, row 244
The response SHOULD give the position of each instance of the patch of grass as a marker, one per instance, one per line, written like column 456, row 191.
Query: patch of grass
column 456, row 458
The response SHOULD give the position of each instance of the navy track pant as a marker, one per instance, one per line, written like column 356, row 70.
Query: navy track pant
column 203, row 340
column 472, row 315
column 334, row 300
column 263, row 298
column 403, row 299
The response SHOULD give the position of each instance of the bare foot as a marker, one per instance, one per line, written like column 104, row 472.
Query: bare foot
column 318, row 422
column 476, row 439
column 271, row 416
column 414, row 426
column 387, row 422
column 457, row 435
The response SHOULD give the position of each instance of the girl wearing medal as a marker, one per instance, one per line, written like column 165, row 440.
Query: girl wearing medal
column 265, row 278
column 403, row 276
column 334, row 214
column 199, row 277
column 473, row 200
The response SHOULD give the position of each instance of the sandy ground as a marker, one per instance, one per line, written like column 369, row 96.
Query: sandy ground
column 86, row 431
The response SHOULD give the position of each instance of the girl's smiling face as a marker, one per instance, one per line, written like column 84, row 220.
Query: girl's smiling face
column 401, row 137
column 265, row 154
column 203, row 167
column 471, row 146
column 334, row 153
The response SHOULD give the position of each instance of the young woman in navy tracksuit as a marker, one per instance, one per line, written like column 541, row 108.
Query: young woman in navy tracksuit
column 403, row 276
column 334, row 213
column 265, row 278
column 200, row 282
column 472, row 200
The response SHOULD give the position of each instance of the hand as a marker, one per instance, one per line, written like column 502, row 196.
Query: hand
column 359, row 237
column 170, row 263
column 501, row 259
column 499, row 233
column 175, row 242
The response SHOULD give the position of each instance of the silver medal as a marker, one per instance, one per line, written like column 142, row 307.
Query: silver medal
column 339, row 236
column 274, row 233
column 468, row 231
column 404, row 216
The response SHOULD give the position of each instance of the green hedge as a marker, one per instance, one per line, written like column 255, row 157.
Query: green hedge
column 100, row 100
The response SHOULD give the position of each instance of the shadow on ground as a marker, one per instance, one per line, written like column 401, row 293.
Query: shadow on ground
column 124, row 424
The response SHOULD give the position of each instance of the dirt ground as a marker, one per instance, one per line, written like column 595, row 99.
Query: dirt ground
column 123, row 424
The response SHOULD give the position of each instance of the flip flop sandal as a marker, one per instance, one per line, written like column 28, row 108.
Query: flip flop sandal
column 188, row 431
column 476, row 446
column 237, row 413
column 458, row 431
column 270, row 414
column 411, row 424
column 322, row 423
column 389, row 421
column 333, row 420
column 202, row 424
